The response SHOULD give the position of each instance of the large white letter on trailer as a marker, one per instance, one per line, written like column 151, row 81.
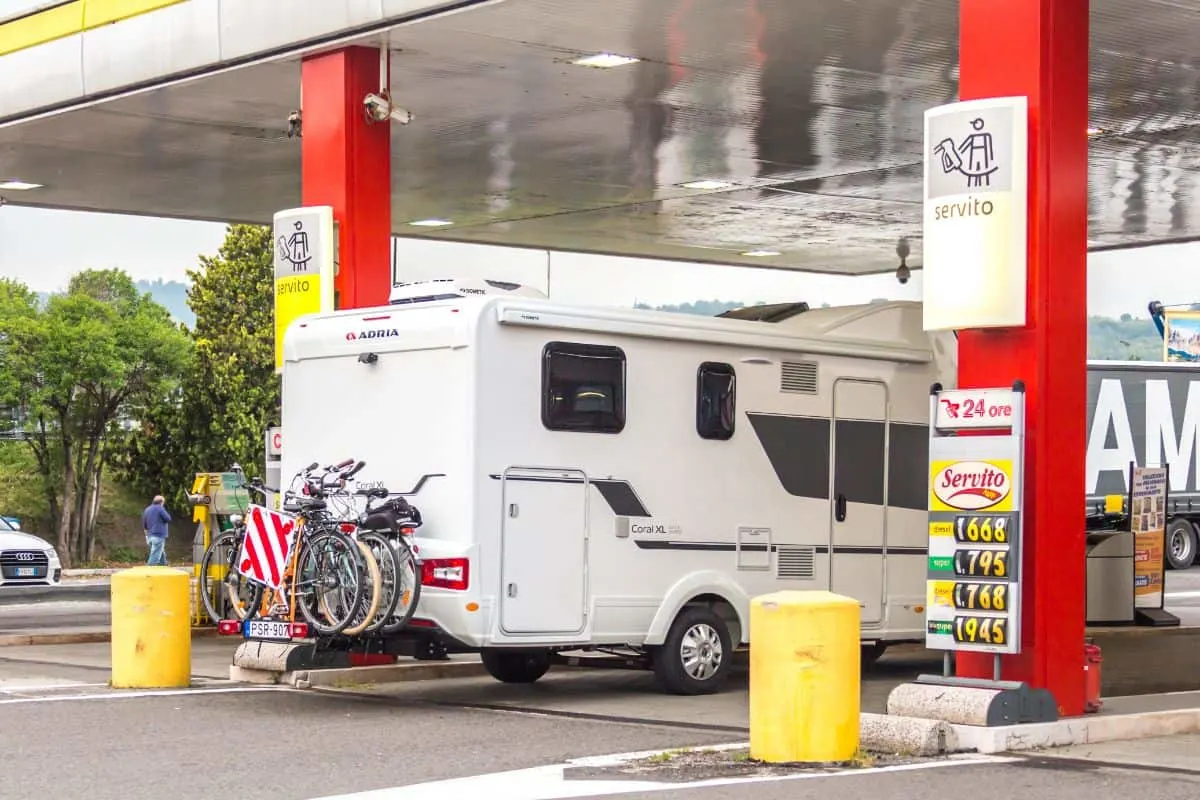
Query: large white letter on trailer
column 1161, row 440
column 1110, row 410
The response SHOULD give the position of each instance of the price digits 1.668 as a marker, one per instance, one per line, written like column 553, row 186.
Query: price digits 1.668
column 981, row 530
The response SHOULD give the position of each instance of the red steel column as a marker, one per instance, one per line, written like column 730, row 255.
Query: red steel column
column 1039, row 48
column 346, row 163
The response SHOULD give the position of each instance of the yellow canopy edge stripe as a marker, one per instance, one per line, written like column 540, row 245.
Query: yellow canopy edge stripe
column 71, row 18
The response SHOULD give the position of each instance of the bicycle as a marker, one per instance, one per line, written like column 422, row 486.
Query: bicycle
column 390, row 525
column 323, row 561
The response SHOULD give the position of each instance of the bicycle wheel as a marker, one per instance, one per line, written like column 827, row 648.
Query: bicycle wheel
column 368, row 605
column 329, row 581
column 241, row 595
column 408, row 588
column 389, row 569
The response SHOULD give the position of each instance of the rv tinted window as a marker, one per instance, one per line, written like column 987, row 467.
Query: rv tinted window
column 583, row 388
column 715, row 401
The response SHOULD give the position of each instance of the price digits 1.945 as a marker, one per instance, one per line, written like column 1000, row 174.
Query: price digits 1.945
column 981, row 530
column 981, row 630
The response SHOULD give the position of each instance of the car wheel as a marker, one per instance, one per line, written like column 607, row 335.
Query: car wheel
column 695, row 657
column 1181, row 544
column 516, row 666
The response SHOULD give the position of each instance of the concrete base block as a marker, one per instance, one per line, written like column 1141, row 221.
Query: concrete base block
column 263, row 656
column 954, row 704
column 883, row 733
column 963, row 701
column 258, row 676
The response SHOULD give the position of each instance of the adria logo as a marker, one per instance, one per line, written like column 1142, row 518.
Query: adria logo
column 379, row 333
column 971, row 485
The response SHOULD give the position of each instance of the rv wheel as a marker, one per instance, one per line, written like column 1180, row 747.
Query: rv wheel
column 516, row 666
column 695, row 657
column 1181, row 544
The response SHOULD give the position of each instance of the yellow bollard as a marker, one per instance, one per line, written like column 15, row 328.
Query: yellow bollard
column 805, row 663
column 151, row 628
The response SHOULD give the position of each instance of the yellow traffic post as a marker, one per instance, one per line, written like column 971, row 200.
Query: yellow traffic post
column 151, row 628
column 805, row 672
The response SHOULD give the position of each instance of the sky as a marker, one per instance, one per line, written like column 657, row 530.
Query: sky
column 43, row 248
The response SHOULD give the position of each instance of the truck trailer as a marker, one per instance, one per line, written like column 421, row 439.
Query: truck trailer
column 1146, row 413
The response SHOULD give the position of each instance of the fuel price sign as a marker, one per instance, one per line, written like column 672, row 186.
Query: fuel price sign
column 974, row 580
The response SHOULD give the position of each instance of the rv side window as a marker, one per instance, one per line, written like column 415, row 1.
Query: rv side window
column 583, row 388
column 715, row 402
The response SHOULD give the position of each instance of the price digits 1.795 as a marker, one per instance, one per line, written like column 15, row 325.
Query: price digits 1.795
column 981, row 530
column 981, row 563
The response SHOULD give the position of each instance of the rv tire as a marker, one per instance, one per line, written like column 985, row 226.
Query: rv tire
column 706, row 637
column 872, row 652
column 1181, row 544
column 516, row 666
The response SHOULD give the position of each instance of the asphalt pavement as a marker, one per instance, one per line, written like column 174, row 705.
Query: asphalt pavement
column 406, row 741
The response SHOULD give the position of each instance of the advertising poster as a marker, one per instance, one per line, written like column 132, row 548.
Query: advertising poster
column 1148, row 522
column 1181, row 336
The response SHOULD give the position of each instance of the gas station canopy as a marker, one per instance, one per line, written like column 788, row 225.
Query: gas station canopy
column 780, row 133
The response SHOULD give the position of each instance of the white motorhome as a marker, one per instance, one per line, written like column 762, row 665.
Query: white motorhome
column 628, row 480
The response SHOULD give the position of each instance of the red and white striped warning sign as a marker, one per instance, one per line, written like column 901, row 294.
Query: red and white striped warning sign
column 267, row 546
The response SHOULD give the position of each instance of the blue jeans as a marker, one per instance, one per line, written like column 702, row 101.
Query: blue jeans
column 158, row 557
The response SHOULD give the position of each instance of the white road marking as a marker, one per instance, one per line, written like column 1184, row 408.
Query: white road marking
column 10, row 686
column 547, row 783
column 125, row 695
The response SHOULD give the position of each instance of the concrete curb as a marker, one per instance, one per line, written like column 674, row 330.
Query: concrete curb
column 405, row 672
column 76, row 637
column 1079, row 730
column 352, row 679
column 64, row 591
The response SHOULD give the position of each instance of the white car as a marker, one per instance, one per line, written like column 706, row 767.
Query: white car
column 26, row 560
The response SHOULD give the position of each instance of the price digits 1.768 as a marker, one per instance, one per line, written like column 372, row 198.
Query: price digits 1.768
column 981, row 530
column 981, row 596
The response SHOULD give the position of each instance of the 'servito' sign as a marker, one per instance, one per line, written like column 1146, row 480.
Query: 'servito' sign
column 976, row 185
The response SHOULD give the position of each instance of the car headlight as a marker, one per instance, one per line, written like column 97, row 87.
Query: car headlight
column 52, row 554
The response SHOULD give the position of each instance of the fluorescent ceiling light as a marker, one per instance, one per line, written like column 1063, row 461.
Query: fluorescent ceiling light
column 430, row 223
column 605, row 60
column 707, row 184
column 18, row 186
column 762, row 253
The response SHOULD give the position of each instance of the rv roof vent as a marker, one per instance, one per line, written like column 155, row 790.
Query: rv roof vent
column 799, row 377
column 796, row 563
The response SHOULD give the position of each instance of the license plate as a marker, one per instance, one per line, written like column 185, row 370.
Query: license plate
column 267, row 629
column 27, row 572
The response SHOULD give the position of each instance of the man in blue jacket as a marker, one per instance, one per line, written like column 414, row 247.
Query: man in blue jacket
column 155, row 520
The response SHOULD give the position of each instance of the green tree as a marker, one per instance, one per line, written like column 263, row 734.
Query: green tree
column 231, row 393
column 78, row 367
